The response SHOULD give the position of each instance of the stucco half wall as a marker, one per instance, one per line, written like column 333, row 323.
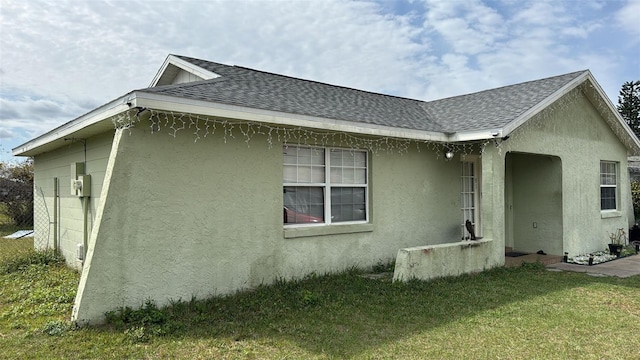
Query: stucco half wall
column 434, row 261
column 179, row 219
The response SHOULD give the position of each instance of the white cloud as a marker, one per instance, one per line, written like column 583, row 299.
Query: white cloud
column 6, row 133
column 628, row 17
column 469, row 27
column 542, row 13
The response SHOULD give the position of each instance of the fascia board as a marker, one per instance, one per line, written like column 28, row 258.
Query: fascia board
column 95, row 116
column 510, row 127
column 466, row 136
column 207, row 108
column 184, row 65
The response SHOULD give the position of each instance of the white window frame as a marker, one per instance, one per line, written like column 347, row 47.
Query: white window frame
column 475, row 179
column 607, row 174
column 327, row 185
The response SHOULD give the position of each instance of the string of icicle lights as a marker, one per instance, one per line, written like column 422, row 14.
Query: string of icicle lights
column 202, row 127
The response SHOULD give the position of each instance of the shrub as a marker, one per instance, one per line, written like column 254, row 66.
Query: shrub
column 16, row 192
column 635, row 197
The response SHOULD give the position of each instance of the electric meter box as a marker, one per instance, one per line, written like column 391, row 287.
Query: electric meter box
column 80, row 183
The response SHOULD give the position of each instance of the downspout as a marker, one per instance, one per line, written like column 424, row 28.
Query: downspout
column 85, row 238
column 56, row 246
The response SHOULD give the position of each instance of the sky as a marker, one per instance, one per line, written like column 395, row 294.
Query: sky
column 61, row 59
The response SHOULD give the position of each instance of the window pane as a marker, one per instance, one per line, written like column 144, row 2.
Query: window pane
column 317, row 174
column 290, row 157
column 467, row 200
column 360, row 159
column 290, row 173
column 347, row 204
column 607, row 198
column 303, row 205
column 467, row 184
column 347, row 176
column 317, row 156
column 336, row 175
column 336, row 157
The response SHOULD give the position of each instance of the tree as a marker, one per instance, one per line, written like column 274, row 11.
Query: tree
column 629, row 105
column 16, row 192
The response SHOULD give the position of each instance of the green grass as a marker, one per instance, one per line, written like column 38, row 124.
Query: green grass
column 515, row 313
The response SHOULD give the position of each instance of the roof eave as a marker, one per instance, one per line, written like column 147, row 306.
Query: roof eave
column 49, row 140
column 55, row 138
column 183, row 105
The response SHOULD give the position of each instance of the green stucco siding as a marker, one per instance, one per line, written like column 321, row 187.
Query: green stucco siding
column 180, row 218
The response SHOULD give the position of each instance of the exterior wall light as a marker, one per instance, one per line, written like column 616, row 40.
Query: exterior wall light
column 448, row 155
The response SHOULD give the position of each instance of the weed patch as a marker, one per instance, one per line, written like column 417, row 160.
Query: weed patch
column 23, row 260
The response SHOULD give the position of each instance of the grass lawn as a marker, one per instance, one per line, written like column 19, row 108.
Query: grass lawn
column 516, row 313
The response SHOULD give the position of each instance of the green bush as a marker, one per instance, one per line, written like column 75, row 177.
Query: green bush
column 16, row 192
column 635, row 198
column 148, row 314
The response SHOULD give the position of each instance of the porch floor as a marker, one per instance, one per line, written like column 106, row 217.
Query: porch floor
column 531, row 258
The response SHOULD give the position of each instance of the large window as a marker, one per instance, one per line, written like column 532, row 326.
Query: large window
column 608, row 185
column 324, row 185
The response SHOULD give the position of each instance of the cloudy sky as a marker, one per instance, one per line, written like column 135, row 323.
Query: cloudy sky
column 60, row 59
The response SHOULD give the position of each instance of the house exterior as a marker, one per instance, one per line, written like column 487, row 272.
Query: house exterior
column 219, row 178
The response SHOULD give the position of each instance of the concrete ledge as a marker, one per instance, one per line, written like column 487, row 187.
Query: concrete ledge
column 296, row 232
column 433, row 261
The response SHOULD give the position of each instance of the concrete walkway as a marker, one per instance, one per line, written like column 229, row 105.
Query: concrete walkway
column 625, row 267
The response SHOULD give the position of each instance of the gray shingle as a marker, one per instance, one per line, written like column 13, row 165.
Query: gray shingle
column 494, row 108
column 245, row 87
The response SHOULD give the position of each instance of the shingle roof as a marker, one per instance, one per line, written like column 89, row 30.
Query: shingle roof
column 246, row 87
column 494, row 108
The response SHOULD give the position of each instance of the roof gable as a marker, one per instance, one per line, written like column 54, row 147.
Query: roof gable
column 178, row 70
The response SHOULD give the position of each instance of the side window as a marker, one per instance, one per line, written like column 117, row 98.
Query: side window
column 608, row 185
column 324, row 185
column 470, row 196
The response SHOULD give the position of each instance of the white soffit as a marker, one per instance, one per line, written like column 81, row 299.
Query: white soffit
column 99, row 119
column 172, row 64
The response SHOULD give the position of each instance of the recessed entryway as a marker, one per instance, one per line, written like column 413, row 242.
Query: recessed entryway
column 533, row 203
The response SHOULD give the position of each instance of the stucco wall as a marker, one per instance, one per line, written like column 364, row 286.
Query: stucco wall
column 57, row 164
column 573, row 130
column 181, row 218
